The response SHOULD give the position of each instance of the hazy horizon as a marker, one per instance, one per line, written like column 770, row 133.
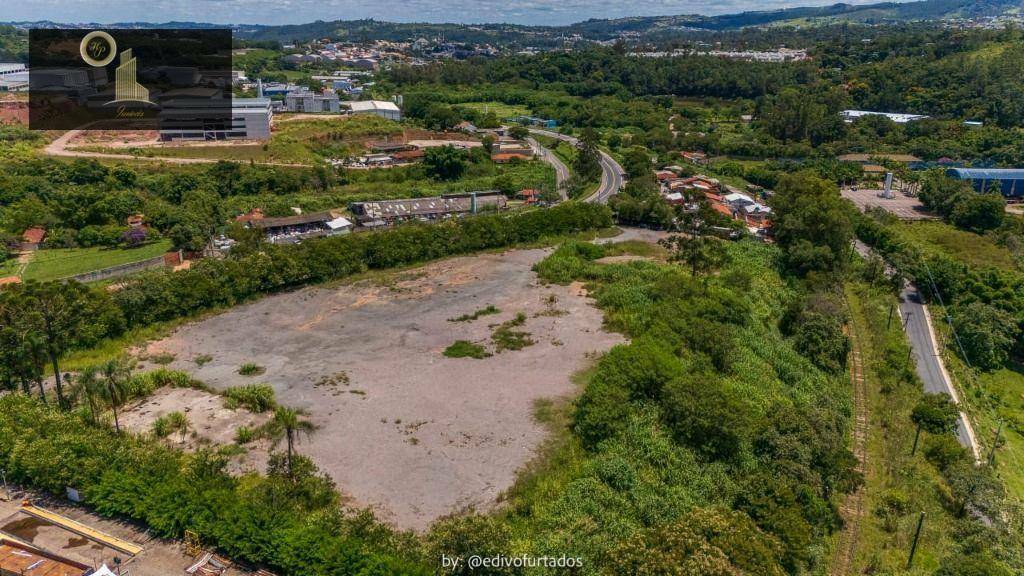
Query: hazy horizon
column 277, row 12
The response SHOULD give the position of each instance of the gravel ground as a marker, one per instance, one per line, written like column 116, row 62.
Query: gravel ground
column 402, row 428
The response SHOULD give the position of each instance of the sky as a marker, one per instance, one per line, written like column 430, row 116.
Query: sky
column 542, row 12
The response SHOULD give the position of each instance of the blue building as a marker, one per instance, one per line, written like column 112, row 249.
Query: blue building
column 1008, row 181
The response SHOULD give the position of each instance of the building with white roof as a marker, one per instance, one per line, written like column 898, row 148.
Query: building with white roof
column 899, row 118
column 381, row 108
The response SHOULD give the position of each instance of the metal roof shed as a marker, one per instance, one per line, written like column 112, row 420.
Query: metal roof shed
column 1008, row 181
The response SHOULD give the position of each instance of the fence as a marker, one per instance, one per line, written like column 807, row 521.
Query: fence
column 125, row 269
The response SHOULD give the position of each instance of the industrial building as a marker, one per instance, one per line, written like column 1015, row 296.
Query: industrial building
column 201, row 119
column 292, row 229
column 381, row 108
column 382, row 212
column 1007, row 181
column 305, row 100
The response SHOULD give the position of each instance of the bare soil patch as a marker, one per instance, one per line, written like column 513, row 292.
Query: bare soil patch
column 209, row 422
column 402, row 428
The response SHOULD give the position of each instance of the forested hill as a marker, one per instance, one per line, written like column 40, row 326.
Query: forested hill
column 602, row 29
column 594, row 29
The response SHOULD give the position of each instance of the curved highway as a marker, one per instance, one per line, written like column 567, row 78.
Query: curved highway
column 611, row 172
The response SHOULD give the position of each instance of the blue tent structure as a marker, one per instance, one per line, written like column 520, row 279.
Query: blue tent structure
column 1008, row 181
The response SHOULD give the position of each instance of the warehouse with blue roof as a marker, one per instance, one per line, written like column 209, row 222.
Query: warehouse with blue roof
column 1008, row 181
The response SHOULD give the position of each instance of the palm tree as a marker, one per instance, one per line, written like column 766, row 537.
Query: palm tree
column 288, row 421
column 115, row 377
column 92, row 388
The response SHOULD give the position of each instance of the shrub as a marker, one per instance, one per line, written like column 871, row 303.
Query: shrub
column 253, row 397
column 466, row 349
column 250, row 369
column 244, row 435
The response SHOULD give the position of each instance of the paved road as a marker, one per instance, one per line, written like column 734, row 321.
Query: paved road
column 611, row 172
column 929, row 362
column 930, row 368
column 561, row 170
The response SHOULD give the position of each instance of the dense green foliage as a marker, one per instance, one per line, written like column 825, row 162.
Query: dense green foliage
column 290, row 522
column 702, row 412
column 986, row 302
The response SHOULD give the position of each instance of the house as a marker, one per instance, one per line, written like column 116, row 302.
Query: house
column 664, row 175
column 32, row 239
column 466, row 126
column 529, row 195
column 698, row 158
column 254, row 214
column 407, row 156
column 135, row 220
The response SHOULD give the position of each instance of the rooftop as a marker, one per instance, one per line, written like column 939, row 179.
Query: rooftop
column 374, row 105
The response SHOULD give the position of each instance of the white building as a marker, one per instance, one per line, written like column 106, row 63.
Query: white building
column 305, row 100
column 899, row 118
column 202, row 120
column 381, row 108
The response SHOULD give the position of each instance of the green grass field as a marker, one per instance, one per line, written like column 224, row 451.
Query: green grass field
column 8, row 267
column 64, row 262
column 965, row 246
column 501, row 109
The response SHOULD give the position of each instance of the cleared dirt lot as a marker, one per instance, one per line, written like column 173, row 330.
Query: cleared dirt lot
column 409, row 432
column 209, row 422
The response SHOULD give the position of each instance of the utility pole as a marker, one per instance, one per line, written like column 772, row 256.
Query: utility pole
column 906, row 319
column 913, row 547
column 992, row 452
column 888, row 322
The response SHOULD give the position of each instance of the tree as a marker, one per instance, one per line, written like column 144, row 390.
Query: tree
column 518, row 132
column 986, row 333
column 488, row 142
column 115, row 384
column 636, row 162
column 811, row 223
column 58, row 312
column 935, row 414
column 696, row 248
column 288, row 422
column 587, row 163
column 979, row 212
column 91, row 387
column 444, row 162
column 706, row 415
column 704, row 542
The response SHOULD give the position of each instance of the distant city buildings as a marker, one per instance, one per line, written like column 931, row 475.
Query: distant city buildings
column 779, row 55
column 897, row 117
